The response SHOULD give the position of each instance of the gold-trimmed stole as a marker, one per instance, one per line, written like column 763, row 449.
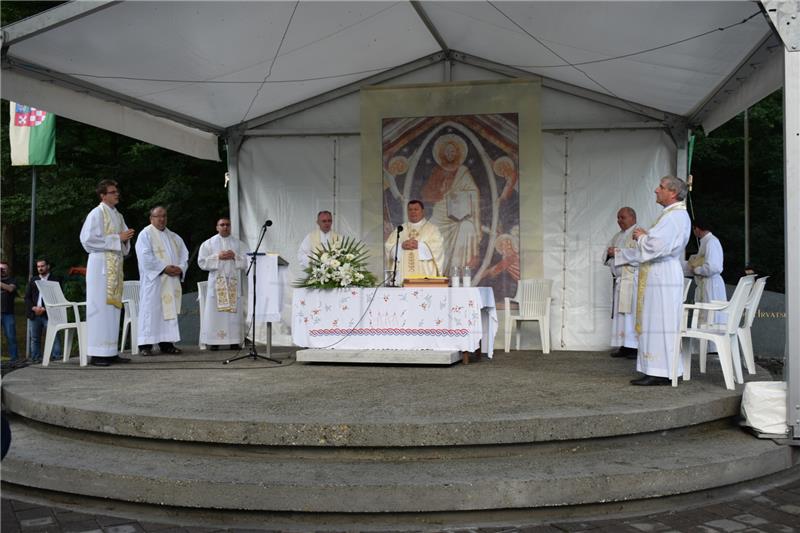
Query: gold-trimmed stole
column 644, row 269
column 113, row 260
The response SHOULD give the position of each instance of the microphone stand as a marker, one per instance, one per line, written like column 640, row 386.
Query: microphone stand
column 396, row 245
column 253, row 260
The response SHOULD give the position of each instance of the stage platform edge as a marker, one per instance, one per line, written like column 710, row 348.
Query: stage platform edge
column 391, row 357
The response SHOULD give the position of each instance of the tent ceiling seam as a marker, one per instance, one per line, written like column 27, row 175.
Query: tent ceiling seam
column 338, row 92
column 46, row 75
column 567, row 88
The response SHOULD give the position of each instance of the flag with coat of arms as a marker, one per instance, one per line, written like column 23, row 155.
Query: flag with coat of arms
column 32, row 133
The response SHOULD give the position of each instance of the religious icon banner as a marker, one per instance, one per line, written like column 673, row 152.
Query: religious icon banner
column 470, row 153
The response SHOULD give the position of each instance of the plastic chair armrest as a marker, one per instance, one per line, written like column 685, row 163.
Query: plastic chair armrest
column 62, row 304
column 707, row 306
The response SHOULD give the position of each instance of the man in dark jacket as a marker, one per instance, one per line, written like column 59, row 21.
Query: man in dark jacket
column 9, row 293
column 37, row 315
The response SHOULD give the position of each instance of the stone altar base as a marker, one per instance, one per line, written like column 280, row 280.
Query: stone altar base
column 403, row 357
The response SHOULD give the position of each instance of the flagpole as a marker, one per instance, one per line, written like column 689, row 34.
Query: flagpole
column 31, row 256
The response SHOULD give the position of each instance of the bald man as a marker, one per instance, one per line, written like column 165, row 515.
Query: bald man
column 623, row 303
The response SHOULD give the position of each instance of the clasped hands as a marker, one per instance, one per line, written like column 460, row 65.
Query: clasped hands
column 226, row 255
column 126, row 235
column 172, row 270
column 638, row 232
column 410, row 244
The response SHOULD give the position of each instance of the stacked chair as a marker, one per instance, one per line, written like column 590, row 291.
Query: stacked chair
column 740, row 311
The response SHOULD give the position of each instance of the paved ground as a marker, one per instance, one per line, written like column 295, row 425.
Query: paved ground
column 773, row 509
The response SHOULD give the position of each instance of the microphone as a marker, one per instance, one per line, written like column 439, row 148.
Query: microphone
column 399, row 228
column 268, row 223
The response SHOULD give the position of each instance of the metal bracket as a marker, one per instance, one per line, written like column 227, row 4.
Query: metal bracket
column 785, row 17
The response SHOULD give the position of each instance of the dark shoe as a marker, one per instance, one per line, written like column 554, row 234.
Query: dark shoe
column 147, row 352
column 650, row 381
column 213, row 347
column 100, row 361
column 171, row 350
column 626, row 352
column 120, row 359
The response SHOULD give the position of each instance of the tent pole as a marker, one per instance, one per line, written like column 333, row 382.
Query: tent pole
column 746, row 188
column 233, row 142
column 31, row 255
column 791, row 157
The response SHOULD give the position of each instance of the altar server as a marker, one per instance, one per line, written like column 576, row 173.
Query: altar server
column 623, row 302
column 106, row 239
column 224, row 258
column 420, row 250
column 706, row 267
column 314, row 241
column 163, row 259
column 658, row 255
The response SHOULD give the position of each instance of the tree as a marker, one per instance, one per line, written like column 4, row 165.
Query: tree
column 718, row 194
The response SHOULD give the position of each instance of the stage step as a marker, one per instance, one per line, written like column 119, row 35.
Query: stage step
column 380, row 480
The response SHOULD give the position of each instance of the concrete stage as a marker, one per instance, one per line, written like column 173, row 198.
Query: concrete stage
column 522, row 431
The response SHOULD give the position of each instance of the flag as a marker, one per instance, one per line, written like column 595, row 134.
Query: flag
column 33, row 136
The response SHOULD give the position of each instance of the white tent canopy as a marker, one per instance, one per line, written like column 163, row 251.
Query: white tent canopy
column 214, row 66
column 622, row 84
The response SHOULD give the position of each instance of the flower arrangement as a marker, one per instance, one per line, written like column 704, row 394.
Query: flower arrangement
column 337, row 265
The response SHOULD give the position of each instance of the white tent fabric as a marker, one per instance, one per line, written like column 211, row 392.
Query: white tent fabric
column 214, row 65
column 600, row 172
column 291, row 174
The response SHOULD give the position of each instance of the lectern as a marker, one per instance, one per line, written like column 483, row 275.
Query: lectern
column 271, row 271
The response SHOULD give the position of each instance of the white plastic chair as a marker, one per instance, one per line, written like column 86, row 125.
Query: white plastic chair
column 533, row 297
column 202, row 288
column 58, row 320
column 130, row 321
column 723, row 335
column 750, row 308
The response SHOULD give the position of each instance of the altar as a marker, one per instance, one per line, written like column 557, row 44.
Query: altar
column 393, row 325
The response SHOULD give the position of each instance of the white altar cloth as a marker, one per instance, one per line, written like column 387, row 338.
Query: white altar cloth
column 408, row 318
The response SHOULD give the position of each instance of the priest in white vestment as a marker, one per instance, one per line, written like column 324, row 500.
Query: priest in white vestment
column 163, row 259
column 106, row 238
column 658, row 254
column 706, row 267
column 420, row 251
column 623, row 302
column 224, row 258
column 314, row 241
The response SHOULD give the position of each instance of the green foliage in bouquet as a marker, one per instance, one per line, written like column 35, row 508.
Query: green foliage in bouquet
column 338, row 265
